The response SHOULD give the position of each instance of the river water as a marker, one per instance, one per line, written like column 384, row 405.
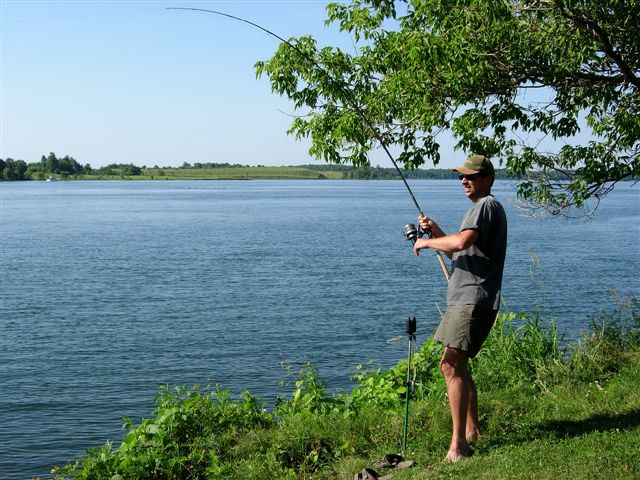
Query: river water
column 112, row 289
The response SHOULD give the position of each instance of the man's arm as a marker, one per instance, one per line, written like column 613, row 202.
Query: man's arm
column 449, row 244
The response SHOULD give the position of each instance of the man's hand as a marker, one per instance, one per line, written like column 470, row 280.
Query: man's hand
column 420, row 244
column 425, row 222
column 428, row 225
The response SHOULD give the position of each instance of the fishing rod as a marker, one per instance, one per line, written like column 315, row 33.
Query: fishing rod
column 347, row 94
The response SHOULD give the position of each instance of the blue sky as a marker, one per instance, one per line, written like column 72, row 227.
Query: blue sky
column 131, row 82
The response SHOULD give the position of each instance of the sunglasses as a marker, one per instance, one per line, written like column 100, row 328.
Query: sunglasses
column 472, row 177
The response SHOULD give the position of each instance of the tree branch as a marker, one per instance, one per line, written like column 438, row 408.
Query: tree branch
column 607, row 47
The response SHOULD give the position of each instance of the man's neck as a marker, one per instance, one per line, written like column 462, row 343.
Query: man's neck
column 480, row 197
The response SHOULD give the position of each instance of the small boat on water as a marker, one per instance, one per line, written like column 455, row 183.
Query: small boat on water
column 52, row 179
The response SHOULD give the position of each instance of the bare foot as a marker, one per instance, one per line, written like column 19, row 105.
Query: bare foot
column 455, row 455
column 473, row 435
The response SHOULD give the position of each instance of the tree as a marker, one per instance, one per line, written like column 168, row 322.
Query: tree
column 549, row 88
column 51, row 163
column 69, row 166
column 13, row 169
column 129, row 169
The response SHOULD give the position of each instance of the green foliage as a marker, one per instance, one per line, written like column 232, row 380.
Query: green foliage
column 605, row 347
column 521, row 82
column 619, row 328
column 519, row 349
column 309, row 395
column 127, row 169
column 388, row 388
column 52, row 165
column 68, row 168
column 190, row 435
column 11, row 169
column 235, row 172
column 48, row 165
column 536, row 396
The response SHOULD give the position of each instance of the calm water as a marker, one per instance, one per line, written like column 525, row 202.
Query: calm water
column 111, row 289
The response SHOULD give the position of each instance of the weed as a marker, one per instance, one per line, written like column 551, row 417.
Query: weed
column 547, row 409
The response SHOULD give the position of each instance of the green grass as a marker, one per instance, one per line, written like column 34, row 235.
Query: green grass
column 547, row 410
column 235, row 173
column 578, row 431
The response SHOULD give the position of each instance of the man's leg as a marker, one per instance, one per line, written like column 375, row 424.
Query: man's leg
column 473, row 425
column 460, row 388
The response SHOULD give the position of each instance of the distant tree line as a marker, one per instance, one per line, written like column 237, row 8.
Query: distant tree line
column 11, row 169
column 390, row 173
column 211, row 165
column 115, row 169
column 65, row 167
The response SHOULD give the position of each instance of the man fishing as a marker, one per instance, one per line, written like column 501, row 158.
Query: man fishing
column 477, row 252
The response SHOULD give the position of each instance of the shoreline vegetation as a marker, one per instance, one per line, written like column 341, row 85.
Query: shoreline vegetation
column 67, row 168
column 548, row 410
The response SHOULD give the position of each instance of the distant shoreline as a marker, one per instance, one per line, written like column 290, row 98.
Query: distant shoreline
column 239, row 172
column 52, row 168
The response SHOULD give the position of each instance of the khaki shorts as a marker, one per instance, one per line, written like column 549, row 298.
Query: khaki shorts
column 465, row 327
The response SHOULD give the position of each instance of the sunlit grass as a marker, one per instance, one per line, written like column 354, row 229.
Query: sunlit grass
column 234, row 173
column 548, row 410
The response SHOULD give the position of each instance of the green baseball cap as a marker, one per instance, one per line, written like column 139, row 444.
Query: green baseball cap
column 476, row 164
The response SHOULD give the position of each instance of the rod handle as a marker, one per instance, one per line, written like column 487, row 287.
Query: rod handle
column 443, row 265
column 439, row 255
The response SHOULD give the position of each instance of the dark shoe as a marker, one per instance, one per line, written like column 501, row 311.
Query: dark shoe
column 390, row 460
column 366, row 474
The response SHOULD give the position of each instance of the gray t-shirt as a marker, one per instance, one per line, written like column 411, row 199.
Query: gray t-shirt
column 476, row 278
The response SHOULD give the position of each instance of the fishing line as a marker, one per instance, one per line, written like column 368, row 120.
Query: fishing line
column 348, row 95
column 333, row 80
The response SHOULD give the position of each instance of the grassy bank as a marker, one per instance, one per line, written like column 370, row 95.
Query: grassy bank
column 245, row 172
column 548, row 410
column 231, row 173
column 239, row 173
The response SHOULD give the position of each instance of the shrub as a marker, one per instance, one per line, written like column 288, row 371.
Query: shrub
column 519, row 348
column 205, row 433
column 612, row 337
column 309, row 395
column 191, row 431
column 387, row 388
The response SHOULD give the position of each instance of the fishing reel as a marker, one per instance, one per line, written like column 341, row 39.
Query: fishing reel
column 412, row 233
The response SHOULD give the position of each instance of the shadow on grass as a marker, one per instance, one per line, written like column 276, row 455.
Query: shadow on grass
column 595, row 423
column 562, row 429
